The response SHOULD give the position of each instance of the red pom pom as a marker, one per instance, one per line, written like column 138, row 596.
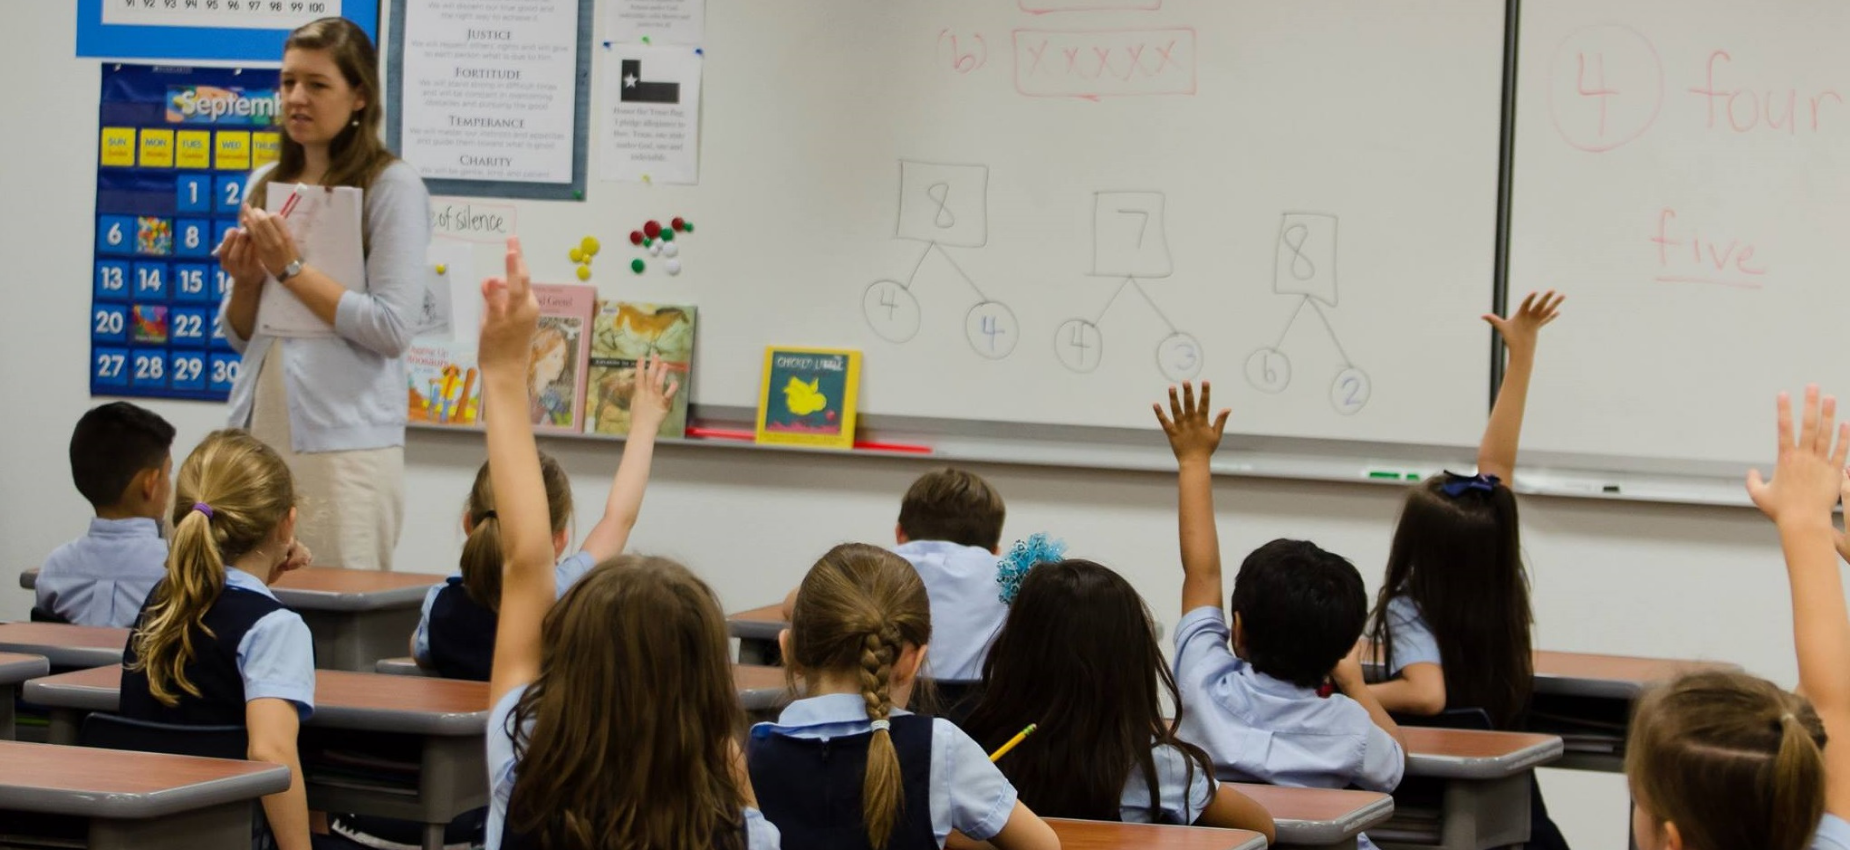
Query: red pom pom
column 635, row 237
column 652, row 229
column 679, row 223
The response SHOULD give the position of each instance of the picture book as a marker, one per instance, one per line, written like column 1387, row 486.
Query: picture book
column 808, row 396
column 561, row 352
column 444, row 385
column 623, row 334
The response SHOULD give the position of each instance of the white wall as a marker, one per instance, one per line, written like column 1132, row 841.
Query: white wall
column 1609, row 577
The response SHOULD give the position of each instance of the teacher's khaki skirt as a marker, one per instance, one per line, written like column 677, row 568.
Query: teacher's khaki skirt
column 350, row 504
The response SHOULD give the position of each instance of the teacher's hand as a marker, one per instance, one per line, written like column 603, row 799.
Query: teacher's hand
column 275, row 248
column 237, row 255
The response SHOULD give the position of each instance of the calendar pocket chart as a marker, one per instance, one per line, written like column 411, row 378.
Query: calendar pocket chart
column 176, row 145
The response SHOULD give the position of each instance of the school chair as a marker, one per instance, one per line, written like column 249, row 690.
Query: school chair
column 40, row 615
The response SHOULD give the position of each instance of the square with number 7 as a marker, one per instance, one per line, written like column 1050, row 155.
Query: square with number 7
column 1129, row 237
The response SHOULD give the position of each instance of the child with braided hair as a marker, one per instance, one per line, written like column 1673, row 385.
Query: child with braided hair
column 859, row 630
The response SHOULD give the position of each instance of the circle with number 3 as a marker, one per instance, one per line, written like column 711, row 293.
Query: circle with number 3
column 1268, row 370
column 1179, row 357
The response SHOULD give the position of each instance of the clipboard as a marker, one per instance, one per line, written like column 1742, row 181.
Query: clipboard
column 325, row 224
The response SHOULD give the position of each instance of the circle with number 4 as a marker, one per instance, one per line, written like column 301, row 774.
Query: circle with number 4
column 1079, row 345
column 1349, row 392
column 1179, row 357
column 1268, row 370
column 891, row 311
column 991, row 329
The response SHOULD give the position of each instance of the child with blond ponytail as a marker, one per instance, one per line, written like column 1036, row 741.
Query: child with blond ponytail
column 213, row 646
column 848, row 768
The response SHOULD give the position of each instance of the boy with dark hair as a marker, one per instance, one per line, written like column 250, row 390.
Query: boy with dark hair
column 1297, row 614
column 122, row 462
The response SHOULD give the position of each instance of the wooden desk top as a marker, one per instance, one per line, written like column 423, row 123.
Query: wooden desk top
column 1470, row 754
column 64, row 645
column 335, row 589
column 85, row 782
column 18, row 668
column 1101, row 835
column 343, row 700
column 758, row 623
column 1612, row 676
column 1317, row 817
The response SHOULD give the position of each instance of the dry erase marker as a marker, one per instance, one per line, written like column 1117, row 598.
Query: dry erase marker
column 1013, row 742
column 295, row 197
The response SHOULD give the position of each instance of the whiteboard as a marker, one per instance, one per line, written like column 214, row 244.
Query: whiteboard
column 1698, row 232
column 1033, row 212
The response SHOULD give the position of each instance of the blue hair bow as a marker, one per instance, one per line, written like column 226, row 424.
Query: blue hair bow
column 1023, row 556
column 1457, row 485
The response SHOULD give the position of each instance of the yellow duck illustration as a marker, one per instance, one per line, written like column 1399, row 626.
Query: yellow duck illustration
column 804, row 398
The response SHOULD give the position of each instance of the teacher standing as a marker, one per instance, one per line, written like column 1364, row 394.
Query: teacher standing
column 335, row 406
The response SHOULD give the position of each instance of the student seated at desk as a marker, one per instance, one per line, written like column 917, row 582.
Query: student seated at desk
column 1079, row 656
column 1298, row 610
column 1719, row 759
column 846, row 768
column 212, row 646
column 1452, row 623
column 456, row 632
column 613, row 711
column 122, row 462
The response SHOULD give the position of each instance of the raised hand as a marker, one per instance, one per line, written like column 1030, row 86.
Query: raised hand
column 1192, row 435
column 653, row 396
column 510, row 314
column 1521, row 329
column 1809, row 476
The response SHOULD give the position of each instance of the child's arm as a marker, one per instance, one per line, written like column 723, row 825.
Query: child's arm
column 272, row 725
column 509, row 316
column 1496, row 455
column 1231, row 809
column 1348, row 677
column 1193, row 438
column 1024, row 831
column 1419, row 690
column 649, row 405
column 1805, row 486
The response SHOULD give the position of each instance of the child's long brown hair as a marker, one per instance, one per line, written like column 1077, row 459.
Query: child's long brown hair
column 357, row 155
column 1079, row 656
column 633, row 717
column 1459, row 558
column 248, row 490
column 858, row 608
column 1729, row 758
column 481, row 554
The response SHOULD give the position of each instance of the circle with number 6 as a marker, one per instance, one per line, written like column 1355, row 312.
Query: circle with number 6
column 1349, row 392
column 1079, row 345
column 991, row 329
column 1179, row 357
column 1268, row 370
column 891, row 311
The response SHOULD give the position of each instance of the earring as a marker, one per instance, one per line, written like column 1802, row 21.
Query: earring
column 356, row 122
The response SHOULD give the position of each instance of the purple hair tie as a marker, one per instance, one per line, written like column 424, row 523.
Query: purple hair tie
column 203, row 508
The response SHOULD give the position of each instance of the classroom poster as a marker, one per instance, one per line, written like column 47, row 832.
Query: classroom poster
column 175, row 146
column 489, row 91
column 659, row 21
column 652, row 114
column 220, row 30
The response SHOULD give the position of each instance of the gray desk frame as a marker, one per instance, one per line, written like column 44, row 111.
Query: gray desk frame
column 1486, row 800
column 212, row 815
column 1333, row 834
column 12, row 673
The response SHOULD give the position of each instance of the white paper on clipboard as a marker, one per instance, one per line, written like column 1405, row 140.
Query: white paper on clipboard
column 325, row 225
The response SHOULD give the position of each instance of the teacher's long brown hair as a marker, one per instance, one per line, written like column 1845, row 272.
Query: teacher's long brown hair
column 357, row 155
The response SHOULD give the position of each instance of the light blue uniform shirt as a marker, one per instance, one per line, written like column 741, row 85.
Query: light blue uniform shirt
column 103, row 577
column 276, row 658
column 1833, row 834
column 566, row 573
column 1412, row 640
column 1256, row 728
column 760, row 834
column 968, row 793
column 966, row 605
column 1185, row 793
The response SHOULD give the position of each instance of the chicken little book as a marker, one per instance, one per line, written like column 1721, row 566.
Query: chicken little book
column 808, row 397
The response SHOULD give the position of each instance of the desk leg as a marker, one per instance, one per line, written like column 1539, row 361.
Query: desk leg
column 452, row 779
column 8, row 693
column 356, row 640
column 1483, row 814
column 64, row 725
column 226, row 827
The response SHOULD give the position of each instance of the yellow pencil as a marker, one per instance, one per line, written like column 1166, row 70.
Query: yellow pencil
column 1013, row 742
